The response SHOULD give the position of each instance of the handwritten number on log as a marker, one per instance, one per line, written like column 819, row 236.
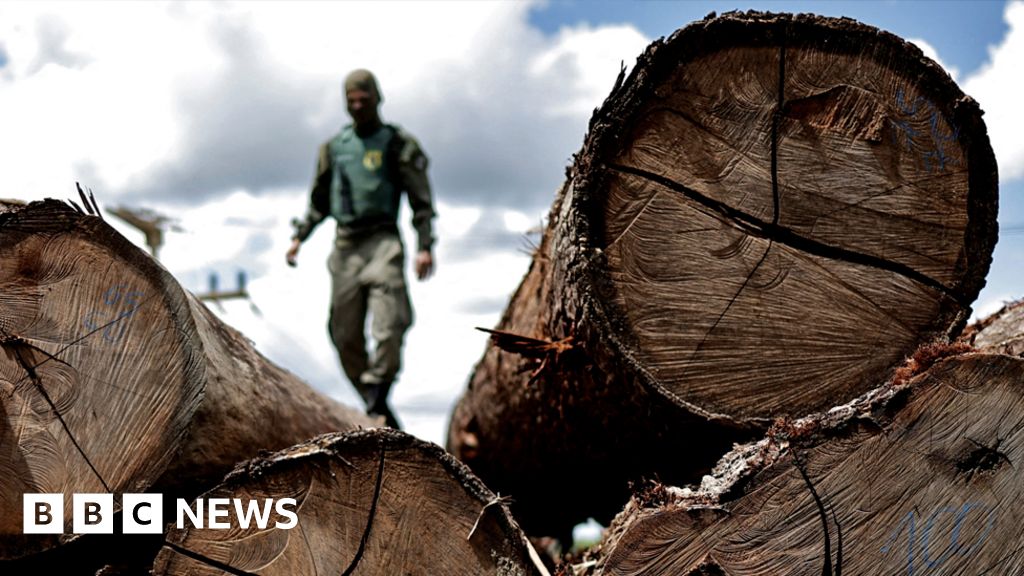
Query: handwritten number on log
column 955, row 546
column 118, row 294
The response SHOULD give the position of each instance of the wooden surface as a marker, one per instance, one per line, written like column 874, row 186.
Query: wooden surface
column 565, row 431
column 1002, row 332
column 787, row 208
column 373, row 502
column 922, row 481
column 113, row 379
column 768, row 215
column 100, row 372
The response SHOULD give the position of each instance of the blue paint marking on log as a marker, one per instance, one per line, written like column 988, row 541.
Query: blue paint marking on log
column 930, row 145
column 120, row 304
column 918, row 548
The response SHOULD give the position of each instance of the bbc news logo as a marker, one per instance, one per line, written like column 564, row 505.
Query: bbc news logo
column 143, row 513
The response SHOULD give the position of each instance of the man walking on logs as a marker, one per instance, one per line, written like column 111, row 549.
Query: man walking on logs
column 360, row 176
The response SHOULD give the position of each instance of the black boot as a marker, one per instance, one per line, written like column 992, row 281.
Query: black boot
column 377, row 404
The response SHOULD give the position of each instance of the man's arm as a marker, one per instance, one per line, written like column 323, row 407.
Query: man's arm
column 412, row 163
column 319, row 205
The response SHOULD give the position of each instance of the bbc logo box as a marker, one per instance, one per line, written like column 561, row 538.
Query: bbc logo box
column 144, row 513
column 92, row 513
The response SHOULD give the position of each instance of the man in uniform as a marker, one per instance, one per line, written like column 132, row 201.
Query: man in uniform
column 360, row 177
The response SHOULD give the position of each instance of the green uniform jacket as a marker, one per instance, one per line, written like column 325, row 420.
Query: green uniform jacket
column 408, row 174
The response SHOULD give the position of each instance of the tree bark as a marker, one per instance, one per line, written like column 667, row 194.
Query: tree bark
column 1000, row 333
column 114, row 379
column 370, row 502
column 916, row 478
column 768, row 215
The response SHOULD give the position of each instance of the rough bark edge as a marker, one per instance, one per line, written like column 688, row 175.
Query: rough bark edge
column 874, row 409
column 757, row 29
column 971, row 332
column 10, row 204
column 334, row 444
column 976, row 330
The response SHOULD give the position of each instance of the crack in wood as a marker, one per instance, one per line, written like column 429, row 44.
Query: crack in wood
column 787, row 237
column 56, row 356
column 373, row 512
column 826, row 569
column 732, row 301
column 7, row 339
column 839, row 541
column 30, row 371
column 776, row 119
column 207, row 560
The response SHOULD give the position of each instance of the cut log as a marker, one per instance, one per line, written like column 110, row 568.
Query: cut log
column 768, row 215
column 921, row 478
column 370, row 502
column 113, row 379
column 1002, row 332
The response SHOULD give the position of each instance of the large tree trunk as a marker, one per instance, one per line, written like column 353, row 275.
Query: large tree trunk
column 766, row 218
column 115, row 380
column 920, row 478
column 371, row 502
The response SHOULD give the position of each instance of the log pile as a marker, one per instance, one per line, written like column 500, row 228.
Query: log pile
column 914, row 478
column 767, row 217
column 767, row 248
column 115, row 380
column 371, row 502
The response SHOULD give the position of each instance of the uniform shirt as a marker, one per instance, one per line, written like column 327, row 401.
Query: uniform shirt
column 359, row 182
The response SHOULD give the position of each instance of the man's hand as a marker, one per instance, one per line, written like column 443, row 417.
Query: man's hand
column 292, row 256
column 424, row 264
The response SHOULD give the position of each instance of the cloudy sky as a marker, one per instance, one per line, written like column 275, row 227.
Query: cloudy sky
column 212, row 112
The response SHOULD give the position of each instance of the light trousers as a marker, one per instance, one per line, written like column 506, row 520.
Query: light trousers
column 368, row 277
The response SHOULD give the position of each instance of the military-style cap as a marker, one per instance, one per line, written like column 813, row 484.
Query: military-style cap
column 364, row 80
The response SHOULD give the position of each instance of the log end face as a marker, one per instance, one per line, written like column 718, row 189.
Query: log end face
column 98, row 372
column 375, row 501
column 932, row 483
column 778, row 218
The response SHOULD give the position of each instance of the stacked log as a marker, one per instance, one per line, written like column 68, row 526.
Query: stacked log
column 767, row 217
column 113, row 379
column 918, row 477
column 118, row 381
column 370, row 502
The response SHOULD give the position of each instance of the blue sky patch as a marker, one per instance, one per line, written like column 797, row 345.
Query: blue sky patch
column 960, row 30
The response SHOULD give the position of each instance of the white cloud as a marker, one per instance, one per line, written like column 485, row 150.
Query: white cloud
column 105, row 111
column 188, row 100
column 998, row 87
column 516, row 221
column 586, row 55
